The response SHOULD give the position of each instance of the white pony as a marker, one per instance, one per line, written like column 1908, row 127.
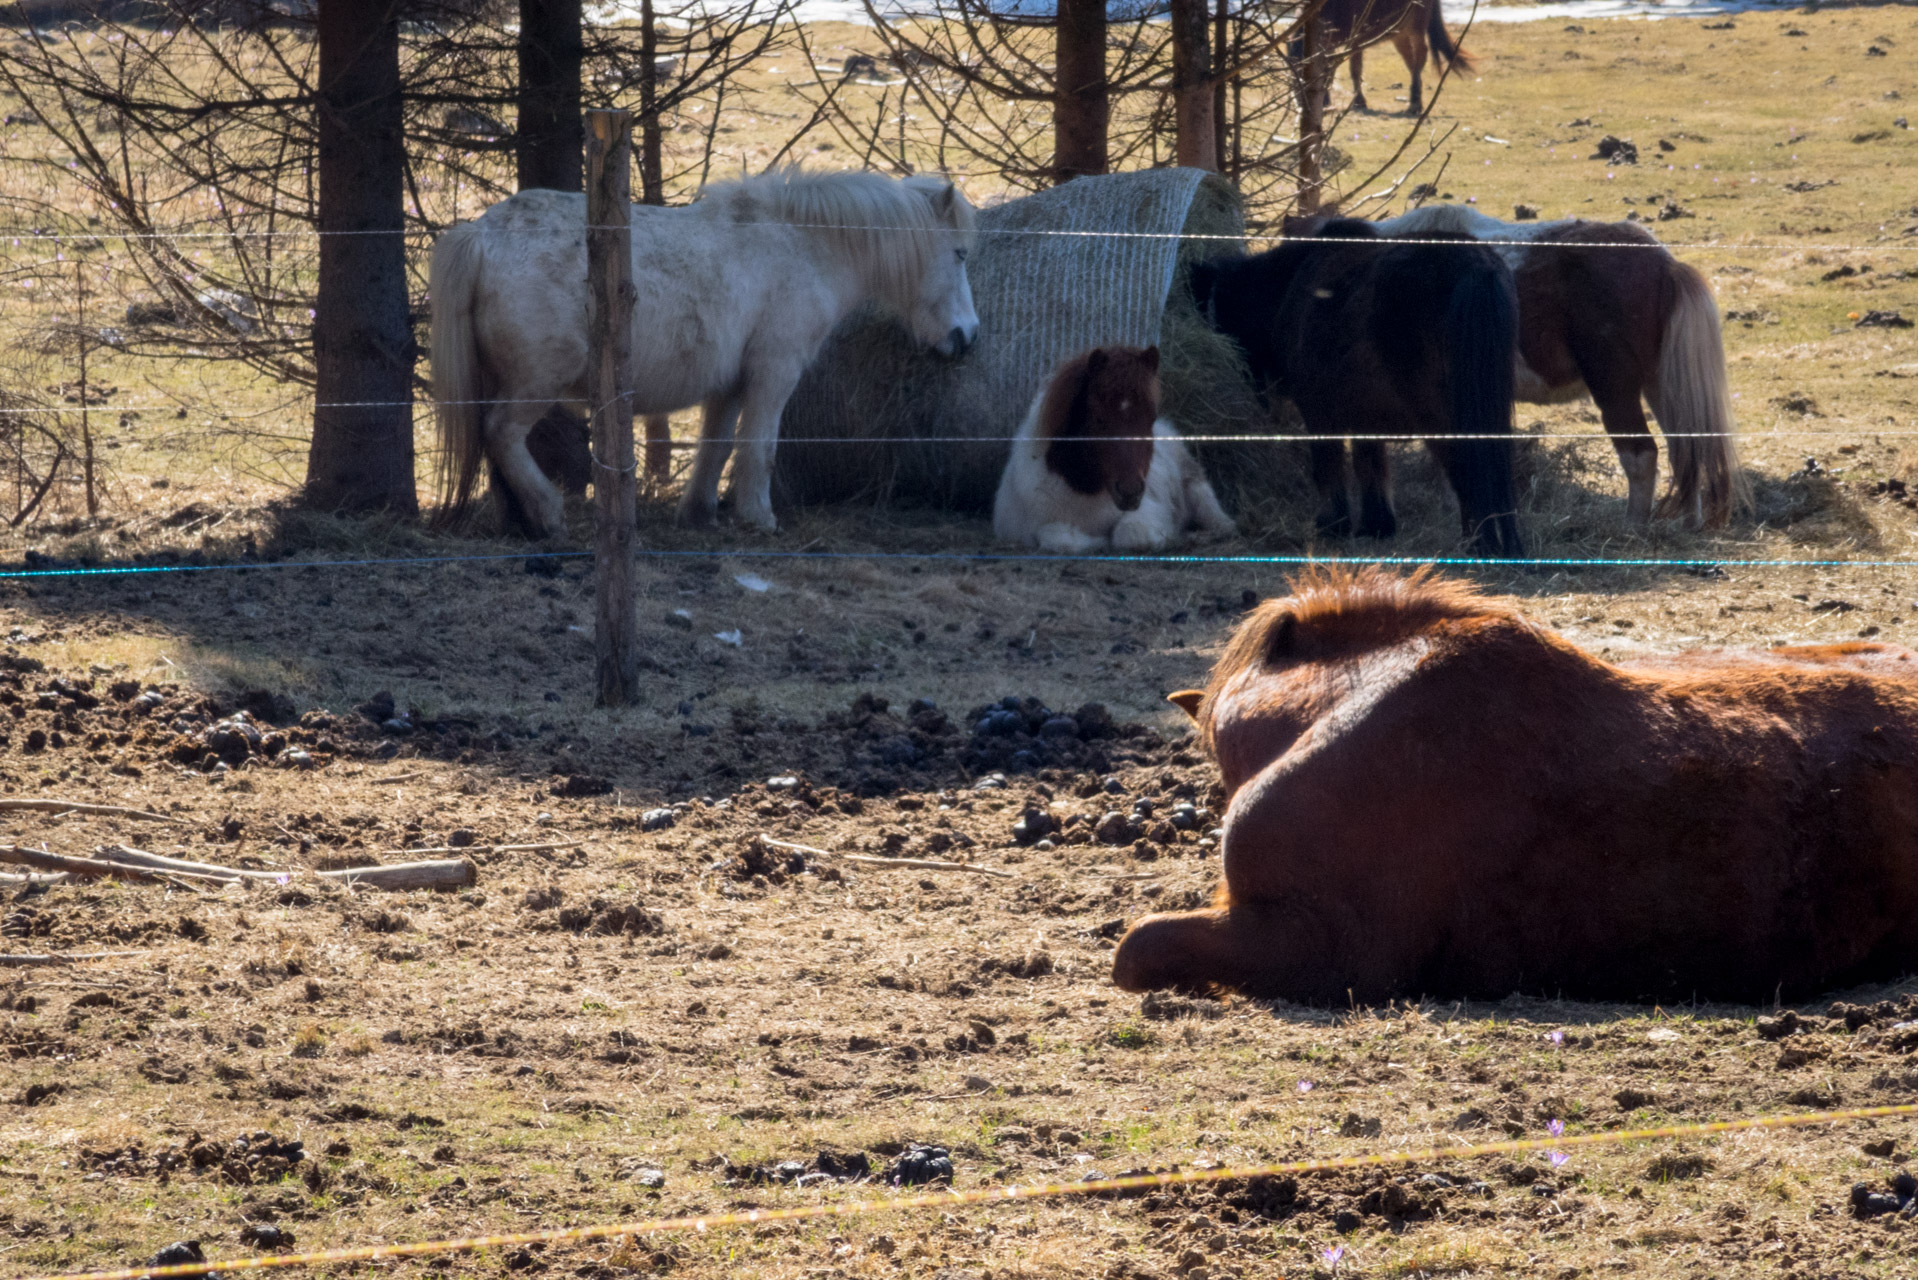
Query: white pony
column 1094, row 466
column 736, row 294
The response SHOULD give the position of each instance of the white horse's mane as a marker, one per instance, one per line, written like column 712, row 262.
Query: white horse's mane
column 890, row 227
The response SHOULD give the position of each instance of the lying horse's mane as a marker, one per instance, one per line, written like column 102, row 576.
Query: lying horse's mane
column 1063, row 413
column 1336, row 609
column 890, row 226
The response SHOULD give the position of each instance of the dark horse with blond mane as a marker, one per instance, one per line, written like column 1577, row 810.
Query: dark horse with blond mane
column 1430, row 795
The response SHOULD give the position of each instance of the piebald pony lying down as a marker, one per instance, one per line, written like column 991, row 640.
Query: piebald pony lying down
column 1095, row 467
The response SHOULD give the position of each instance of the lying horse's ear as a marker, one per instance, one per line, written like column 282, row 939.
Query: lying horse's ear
column 1096, row 360
column 946, row 199
column 1187, row 700
column 1278, row 644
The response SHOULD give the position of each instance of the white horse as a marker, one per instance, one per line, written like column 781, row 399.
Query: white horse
column 736, row 294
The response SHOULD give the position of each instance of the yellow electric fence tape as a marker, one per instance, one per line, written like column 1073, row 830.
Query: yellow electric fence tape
column 994, row 1195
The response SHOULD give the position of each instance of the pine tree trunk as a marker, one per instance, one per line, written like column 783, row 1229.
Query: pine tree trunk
column 1310, row 76
column 363, row 351
column 1192, row 98
column 552, row 139
column 1081, row 107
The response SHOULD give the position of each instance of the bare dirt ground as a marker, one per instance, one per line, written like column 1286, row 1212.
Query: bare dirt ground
column 639, row 1022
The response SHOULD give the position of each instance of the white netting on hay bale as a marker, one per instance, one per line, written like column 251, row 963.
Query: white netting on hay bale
column 1040, row 298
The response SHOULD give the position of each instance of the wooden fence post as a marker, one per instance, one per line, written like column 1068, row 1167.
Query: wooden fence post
column 609, row 273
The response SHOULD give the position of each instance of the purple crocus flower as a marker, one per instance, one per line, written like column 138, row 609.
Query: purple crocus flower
column 1305, row 1086
column 1556, row 1128
column 1332, row 1254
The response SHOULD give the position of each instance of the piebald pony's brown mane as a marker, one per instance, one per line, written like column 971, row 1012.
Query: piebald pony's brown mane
column 1334, row 609
column 1065, row 398
column 1097, row 413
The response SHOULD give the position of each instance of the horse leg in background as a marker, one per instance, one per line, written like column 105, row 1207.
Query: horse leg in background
column 1358, row 77
column 1149, row 528
column 508, row 423
column 1480, row 472
column 1409, row 40
column 699, row 504
column 1328, row 477
column 659, row 449
column 764, row 401
column 1202, row 506
column 1624, row 416
column 1373, row 468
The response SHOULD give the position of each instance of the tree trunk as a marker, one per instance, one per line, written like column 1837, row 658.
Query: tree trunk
column 1224, row 54
column 1192, row 100
column 363, row 350
column 551, row 141
column 1309, row 79
column 652, row 190
column 652, row 185
column 1081, row 107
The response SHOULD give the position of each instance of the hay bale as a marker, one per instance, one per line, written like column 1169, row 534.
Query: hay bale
column 1041, row 298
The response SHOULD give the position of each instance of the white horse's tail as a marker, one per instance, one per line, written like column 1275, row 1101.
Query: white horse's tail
column 1693, row 402
column 458, row 381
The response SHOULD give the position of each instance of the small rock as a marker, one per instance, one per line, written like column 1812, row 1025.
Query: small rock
column 1357, row 1126
column 1524, row 212
column 378, row 708
column 464, row 838
column 1866, row 1203
column 1883, row 320
column 1000, row 723
column 843, row 1166
column 265, row 1235
column 657, row 819
column 1115, row 828
column 179, row 1254
column 651, row 1179
column 1034, row 824
column 1616, row 150
column 918, row 1165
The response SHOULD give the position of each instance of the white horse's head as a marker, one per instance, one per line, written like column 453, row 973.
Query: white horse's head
column 941, row 313
column 906, row 239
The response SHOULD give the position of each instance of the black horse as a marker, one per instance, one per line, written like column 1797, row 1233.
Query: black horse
column 1371, row 338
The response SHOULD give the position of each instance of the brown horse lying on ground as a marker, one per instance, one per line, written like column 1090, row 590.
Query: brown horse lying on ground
column 1430, row 795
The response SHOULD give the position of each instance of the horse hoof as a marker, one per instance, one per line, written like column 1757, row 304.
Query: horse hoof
column 697, row 517
column 765, row 523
